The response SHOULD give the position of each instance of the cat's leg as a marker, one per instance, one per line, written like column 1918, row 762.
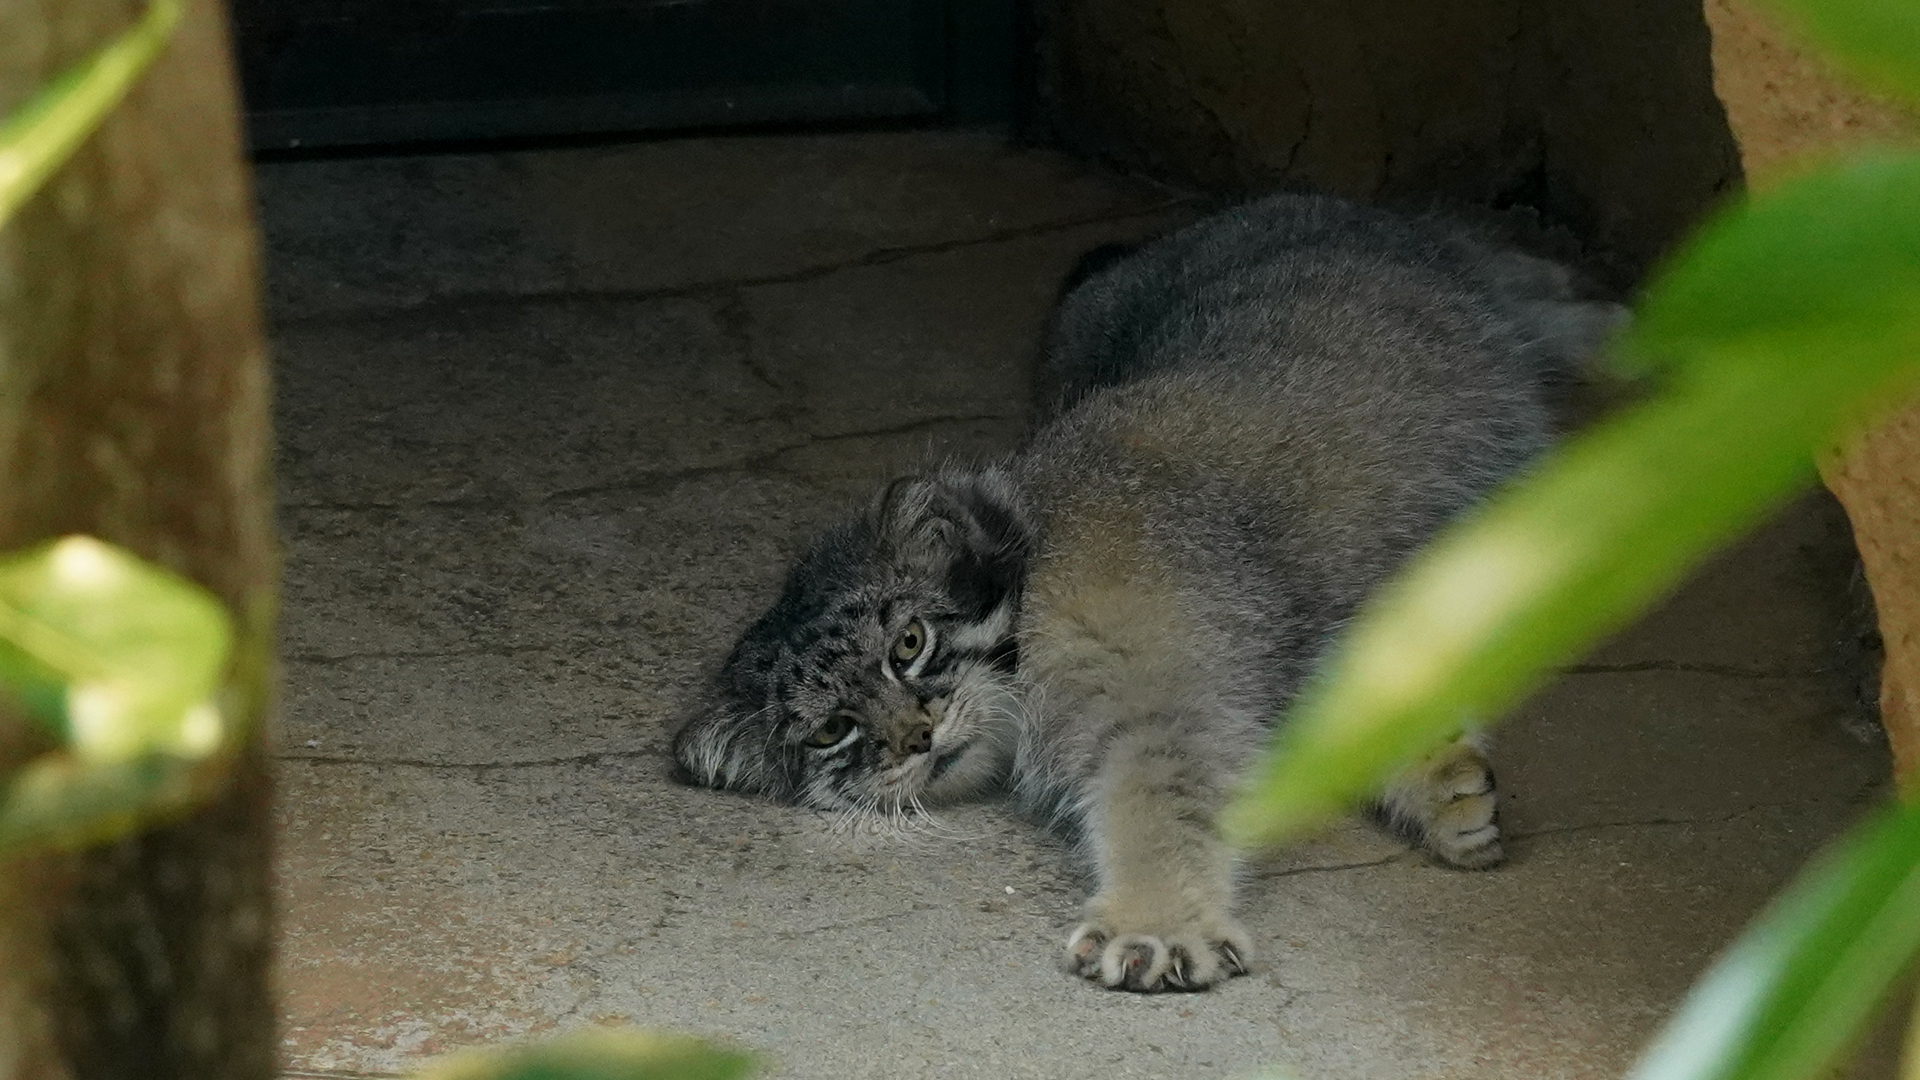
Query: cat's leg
column 1159, row 919
column 1446, row 805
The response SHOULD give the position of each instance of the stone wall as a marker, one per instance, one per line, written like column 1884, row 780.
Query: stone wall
column 1599, row 113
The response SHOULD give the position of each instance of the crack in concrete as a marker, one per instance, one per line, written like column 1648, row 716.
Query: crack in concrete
column 911, row 427
column 1306, row 125
column 596, row 757
column 871, row 920
column 658, row 481
column 430, row 503
column 736, row 322
column 1596, row 826
column 1398, row 856
column 662, row 480
column 340, row 659
column 1198, row 93
column 1664, row 822
column 1731, row 671
column 336, row 1074
column 457, row 303
column 1562, row 830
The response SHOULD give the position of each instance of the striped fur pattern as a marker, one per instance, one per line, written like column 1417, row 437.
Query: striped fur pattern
column 819, row 702
column 1252, row 422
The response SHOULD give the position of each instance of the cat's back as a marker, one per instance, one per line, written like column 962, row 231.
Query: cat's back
column 1335, row 372
column 1266, row 413
column 1324, row 274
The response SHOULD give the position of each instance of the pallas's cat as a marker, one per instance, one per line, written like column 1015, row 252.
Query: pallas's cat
column 1254, row 420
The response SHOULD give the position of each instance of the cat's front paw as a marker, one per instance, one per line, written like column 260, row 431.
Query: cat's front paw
column 1192, row 955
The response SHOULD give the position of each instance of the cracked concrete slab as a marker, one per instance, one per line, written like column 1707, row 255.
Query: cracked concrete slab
column 604, row 392
column 465, row 230
column 551, row 424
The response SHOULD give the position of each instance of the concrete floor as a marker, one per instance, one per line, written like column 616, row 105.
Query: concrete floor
column 550, row 424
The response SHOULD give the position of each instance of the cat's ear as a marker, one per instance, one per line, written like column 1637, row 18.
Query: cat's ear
column 918, row 525
column 968, row 530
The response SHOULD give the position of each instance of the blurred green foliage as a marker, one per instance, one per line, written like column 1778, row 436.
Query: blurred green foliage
column 118, row 663
column 603, row 1055
column 1763, row 355
column 45, row 131
column 1787, row 324
column 1791, row 994
column 112, row 668
column 1877, row 40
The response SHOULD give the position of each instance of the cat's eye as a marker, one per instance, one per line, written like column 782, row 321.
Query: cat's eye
column 910, row 642
column 831, row 732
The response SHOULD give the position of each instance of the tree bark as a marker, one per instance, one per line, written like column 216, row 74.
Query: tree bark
column 134, row 407
column 1600, row 114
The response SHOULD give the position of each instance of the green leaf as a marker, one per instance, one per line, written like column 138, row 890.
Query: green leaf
column 140, row 651
column 1878, row 40
column 1781, row 328
column 1800, row 985
column 58, row 802
column 44, row 132
column 602, row 1055
column 121, row 662
column 1830, row 260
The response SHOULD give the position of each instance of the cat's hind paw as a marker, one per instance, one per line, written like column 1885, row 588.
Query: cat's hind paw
column 1187, row 959
column 1463, row 833
column 1448, row 806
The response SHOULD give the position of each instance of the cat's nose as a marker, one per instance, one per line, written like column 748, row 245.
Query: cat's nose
column 916, row 738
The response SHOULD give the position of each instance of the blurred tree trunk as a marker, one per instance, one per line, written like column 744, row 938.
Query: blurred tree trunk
column 1600, row 114
column 1878, row 480
column 134, row 407
column 1787, row 106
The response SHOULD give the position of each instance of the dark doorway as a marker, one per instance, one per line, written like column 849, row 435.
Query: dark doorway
column 362, row 72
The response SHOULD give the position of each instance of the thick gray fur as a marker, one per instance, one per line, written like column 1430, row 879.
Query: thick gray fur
column 1253, row 421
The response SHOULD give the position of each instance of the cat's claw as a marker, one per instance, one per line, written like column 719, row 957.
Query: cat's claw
column 1146, row 963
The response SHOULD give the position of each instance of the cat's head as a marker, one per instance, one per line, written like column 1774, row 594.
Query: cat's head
column 883, row 674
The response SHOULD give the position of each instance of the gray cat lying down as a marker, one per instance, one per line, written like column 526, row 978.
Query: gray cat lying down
column 1255, row 420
